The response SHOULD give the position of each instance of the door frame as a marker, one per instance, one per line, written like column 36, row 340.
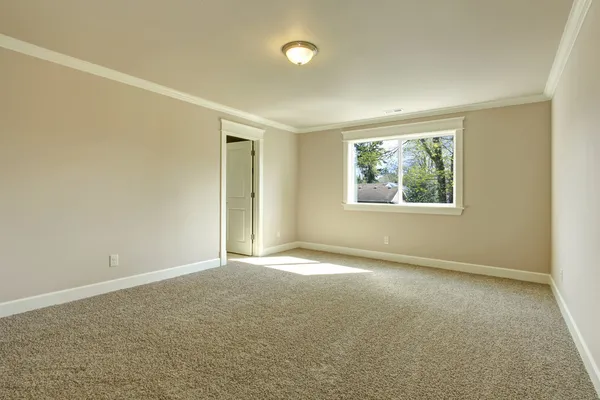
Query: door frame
column 230, row 128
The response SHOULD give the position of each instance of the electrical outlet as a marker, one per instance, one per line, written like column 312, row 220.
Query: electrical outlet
column 562, row 275
column 113, row 260
column 278, row 234
column 386, row 240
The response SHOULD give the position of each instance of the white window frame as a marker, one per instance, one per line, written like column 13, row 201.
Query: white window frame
column 441, row 127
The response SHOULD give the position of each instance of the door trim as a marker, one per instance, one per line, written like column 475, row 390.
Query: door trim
column 257, row 136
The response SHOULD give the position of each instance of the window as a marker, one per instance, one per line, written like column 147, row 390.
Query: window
column 405, row 168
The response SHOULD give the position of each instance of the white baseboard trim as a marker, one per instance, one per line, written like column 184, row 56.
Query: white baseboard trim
column 434, row 263
column 588, row 360
column 95, row 289
column 280, row 248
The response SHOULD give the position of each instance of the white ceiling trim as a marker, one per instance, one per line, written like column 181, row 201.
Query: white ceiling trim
column 573, row 26
column 420, row 128
column 513, row 101
column 32, row 50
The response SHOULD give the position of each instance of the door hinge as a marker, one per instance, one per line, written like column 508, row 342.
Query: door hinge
column 253, row 153
column 252, row 237
column 252, row 195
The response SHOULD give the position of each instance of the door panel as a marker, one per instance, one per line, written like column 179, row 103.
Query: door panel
column 236, row 219
column 239, row 197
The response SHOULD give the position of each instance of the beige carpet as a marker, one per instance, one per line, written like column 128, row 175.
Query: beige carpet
column 256, row 332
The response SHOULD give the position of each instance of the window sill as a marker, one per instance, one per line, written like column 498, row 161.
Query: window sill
column 416, row 209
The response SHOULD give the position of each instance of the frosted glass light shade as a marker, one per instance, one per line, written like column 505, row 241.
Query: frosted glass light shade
column 299, row 52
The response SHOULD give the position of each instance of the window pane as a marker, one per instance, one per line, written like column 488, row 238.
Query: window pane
column 428, row 170
column 376, row 166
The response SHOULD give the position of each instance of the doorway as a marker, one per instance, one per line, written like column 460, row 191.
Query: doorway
column 240, row 196
column 241, row 190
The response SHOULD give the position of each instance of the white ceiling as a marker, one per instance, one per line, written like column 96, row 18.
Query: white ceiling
column 374, row 54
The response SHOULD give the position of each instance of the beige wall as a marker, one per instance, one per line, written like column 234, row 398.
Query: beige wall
column 506, row 222
column 90, row 167
column 281, row 183
column 576, row 182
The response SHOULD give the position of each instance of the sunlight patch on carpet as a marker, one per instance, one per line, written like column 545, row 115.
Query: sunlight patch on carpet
column 317, row 269
column 273, row 260
column 301, row 266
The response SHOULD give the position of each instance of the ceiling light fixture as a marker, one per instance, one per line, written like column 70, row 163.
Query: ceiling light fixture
column 299, row 52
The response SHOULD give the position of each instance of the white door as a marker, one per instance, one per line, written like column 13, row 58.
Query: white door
column 239, row 198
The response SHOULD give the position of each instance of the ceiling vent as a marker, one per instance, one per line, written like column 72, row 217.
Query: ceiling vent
column 393, row 111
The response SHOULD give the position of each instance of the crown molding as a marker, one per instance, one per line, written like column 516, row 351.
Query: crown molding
column 32, row 50
column 513, row 101
column 572, row 27
column 382, row 132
